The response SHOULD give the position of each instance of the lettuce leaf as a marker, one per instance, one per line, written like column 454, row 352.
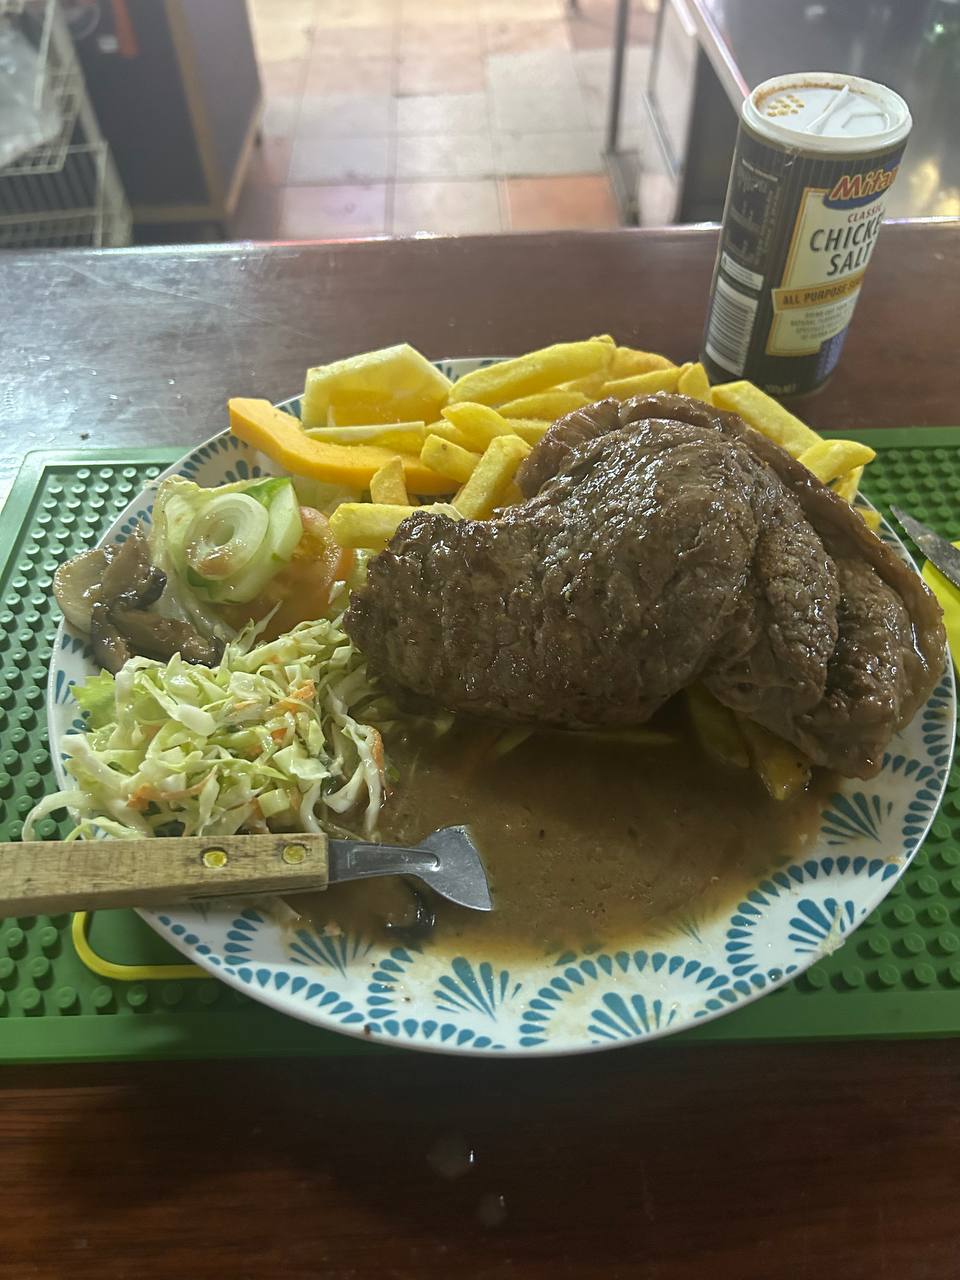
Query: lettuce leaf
column 95, row 699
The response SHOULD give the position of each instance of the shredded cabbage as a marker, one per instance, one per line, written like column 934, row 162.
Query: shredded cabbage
column 180, row 749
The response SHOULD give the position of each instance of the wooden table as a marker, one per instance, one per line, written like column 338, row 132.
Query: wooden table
column 664, row 1162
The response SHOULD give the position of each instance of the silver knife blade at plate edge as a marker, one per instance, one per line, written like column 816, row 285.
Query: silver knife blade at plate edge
column 938, row 550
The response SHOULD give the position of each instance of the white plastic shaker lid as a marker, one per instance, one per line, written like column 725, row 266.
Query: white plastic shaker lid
column 827, row 111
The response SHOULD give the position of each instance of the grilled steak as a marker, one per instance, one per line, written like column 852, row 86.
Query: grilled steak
column 660, row 542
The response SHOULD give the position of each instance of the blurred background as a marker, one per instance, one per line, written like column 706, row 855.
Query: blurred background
column 160, row 121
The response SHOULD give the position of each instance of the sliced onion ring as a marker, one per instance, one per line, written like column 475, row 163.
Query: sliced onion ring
column 225, row 536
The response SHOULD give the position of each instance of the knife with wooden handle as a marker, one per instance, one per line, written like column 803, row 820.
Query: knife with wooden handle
column 88, row 875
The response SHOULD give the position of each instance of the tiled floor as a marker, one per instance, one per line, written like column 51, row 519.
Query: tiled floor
column 392, row 117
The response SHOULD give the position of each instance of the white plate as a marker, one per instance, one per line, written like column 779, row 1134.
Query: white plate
column 436, row 999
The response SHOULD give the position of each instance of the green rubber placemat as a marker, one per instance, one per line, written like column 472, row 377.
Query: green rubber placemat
column 898, row 975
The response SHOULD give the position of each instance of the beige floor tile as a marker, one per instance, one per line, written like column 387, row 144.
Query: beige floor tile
column 282, row 41
column 532, row 10
column 596, row 103
column 284, row 78
column 445, row 156
column 593, row 66
column 433, row 73
column 529, row 109
column 592, row 25
column 515, row 36
column 267, row 12
column 355, row 13
column 446, row 208
column 346, row 115
column 536, row 91
column 440, row 13
column 340, row 160
column 533, row 69
column 546, row 204
column 589, row 35
column 445, row 40
column 378, row 41
column 349, row 74
column 548, row 154
column 443, row 113
column 308, row 213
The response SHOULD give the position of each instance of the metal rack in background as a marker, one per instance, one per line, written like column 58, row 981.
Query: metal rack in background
column 65, row 192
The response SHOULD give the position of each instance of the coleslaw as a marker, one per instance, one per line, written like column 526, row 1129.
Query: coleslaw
column 279, row 732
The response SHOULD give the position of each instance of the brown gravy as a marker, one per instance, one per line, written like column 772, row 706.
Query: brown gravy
column 585, row 841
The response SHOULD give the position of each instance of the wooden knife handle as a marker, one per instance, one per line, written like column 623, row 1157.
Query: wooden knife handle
column 49, row 876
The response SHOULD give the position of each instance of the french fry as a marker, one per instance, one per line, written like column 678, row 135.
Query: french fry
column 716, row 727
column 388, row 485
column 764, row 414
column 694, row 382
column 511, row 495
column 491, row 476
column 828, row 459
column 870, row 516
column 627, row 362
column 530, row 429
column 848, row 486
column 536, row 371
column 590, row 386
column 478, row 423
column 783, row 770
column 405, row 437
column 448, row 459
column 548, row 404
column 371, row 525
column 645, row 384
column 447, row 431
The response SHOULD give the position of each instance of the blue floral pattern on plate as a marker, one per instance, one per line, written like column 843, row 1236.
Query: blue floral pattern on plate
column 428, row 999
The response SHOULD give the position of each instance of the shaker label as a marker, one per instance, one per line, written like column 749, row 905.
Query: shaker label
column 833, row 238
column 852, row 189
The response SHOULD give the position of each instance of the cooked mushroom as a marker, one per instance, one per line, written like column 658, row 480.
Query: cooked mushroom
column 153, row 636
column 107, row 592
column 110, row 648
column 104, row 574
column 78, row 585
column 131, row 575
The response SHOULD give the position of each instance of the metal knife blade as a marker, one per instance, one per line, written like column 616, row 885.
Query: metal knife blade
column 447, row 860
column 938, row 550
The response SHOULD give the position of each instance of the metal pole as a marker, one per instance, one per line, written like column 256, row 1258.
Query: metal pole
column 616, row 74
